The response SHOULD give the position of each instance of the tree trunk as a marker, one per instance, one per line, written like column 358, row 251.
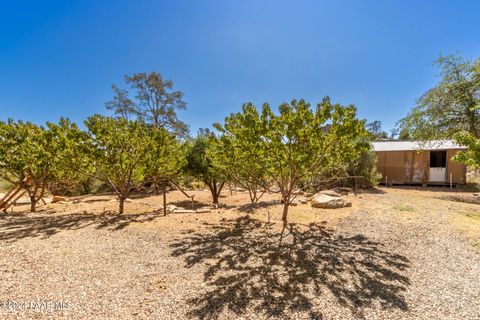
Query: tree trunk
column 121, row 205
column 252, row 193
column 472, row 120
column 33, row 203
column 212, row 186
column 286, row 204
column 214, row 193
column 214, row 190
column 215, row 197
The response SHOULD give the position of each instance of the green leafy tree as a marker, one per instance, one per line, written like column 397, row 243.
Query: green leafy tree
column 29, row 157
column 449, row 107
column 121, row 104
column 201, row 165
column 375, row 129
column 155, row 102
column 365, row 165
column 237, row 155
column 471, row 156
column 165, row 160
column 299, row 141
column 118, row 148
column 75, row 165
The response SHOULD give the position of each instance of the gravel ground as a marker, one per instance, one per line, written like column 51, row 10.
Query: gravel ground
column 396, row 254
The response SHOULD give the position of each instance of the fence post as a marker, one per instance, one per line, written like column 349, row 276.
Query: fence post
column 164, row 194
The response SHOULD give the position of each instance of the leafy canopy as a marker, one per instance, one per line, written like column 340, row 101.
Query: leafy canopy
column 237, row 153
column 128, row 153
column 201, row 164
column 452, row 105
column 298, row 142
column 155, row 102
column 32, row 156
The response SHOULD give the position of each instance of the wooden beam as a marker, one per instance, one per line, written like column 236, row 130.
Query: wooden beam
column 11, row 195
column 13, row 201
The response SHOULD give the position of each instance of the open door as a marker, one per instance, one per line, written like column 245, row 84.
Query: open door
column 438, row 166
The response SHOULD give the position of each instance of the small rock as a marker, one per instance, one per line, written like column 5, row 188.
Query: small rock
column 302, row 200
column 171, row 207
column 56, row 199
column 64, row 202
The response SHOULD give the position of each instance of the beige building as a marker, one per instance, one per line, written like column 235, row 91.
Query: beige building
column 415, row 162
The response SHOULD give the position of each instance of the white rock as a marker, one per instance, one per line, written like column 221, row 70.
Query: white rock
column 184, row 211
column 328, row 202
column 302, row 200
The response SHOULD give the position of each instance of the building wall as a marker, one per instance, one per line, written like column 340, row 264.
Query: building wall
column 414, row 166
column 457, row 169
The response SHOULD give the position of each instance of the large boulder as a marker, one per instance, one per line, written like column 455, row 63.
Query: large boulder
column 329, row 202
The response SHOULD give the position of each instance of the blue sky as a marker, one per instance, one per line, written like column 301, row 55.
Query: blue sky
column 60, row 58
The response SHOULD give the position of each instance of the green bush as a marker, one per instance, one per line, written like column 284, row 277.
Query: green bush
column 5, row 185
column 366, row 167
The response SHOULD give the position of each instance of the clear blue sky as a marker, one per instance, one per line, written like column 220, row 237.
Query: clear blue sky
column 59, row 58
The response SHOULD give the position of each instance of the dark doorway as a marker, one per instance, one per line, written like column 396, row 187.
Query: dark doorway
column 438, row 159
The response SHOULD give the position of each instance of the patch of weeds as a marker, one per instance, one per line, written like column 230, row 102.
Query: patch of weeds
column 462, row 198
column 473, row 215
column 403, row 207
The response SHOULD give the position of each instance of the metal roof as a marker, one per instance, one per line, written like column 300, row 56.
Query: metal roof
column 415, row 145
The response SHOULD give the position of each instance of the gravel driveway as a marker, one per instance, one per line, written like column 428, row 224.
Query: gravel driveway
column 385, row 260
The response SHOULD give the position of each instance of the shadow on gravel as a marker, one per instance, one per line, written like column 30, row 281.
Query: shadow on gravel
column 187, row 204
column 251, row 207
column 468, row 198
column 21, row 225
column 246, row 268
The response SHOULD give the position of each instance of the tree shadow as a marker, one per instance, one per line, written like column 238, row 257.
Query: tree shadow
column 187, row 204
column 21, row 225
column 465, row 198
column 251, row 207
column 372, row 190
column 248, row 269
